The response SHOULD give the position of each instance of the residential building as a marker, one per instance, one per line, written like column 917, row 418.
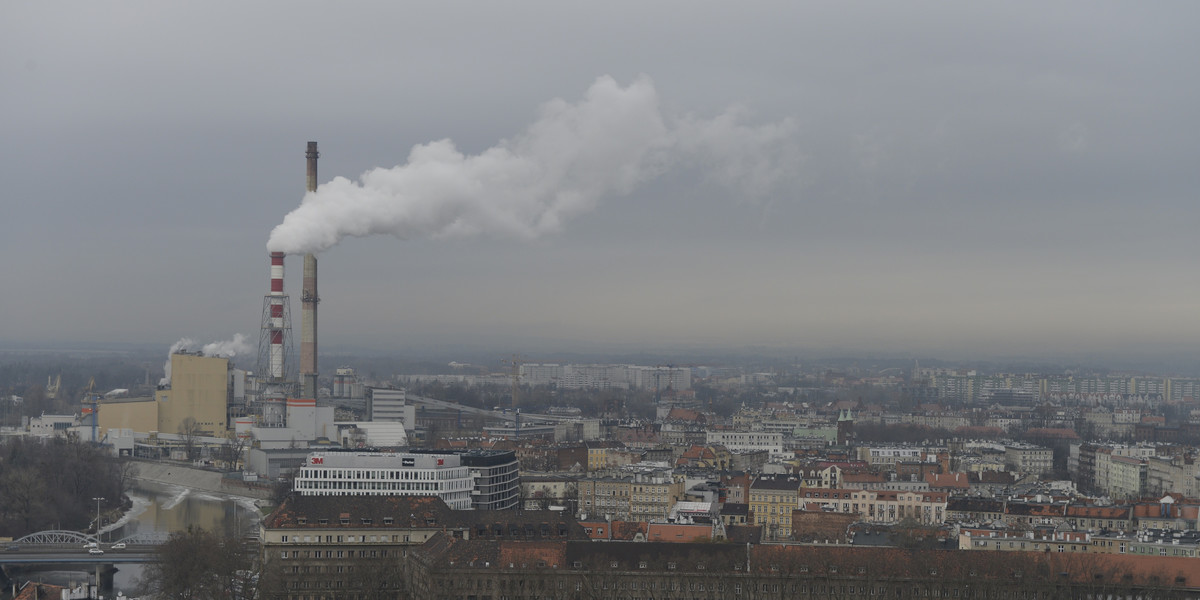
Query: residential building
column 449, row 568
column 1029, row 459
column 772, row 500
column 1126, row 477
column 878, row 506
column 607, row 497
column 336, row 547
column 652, row 494
column 747, row 441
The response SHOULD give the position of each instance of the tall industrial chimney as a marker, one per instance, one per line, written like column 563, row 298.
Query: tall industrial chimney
column 309, row 300
column 275, row 341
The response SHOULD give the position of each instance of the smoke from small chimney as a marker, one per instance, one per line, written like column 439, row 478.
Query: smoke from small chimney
column 223, row 348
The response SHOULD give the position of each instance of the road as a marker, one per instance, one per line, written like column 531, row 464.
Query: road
column 46, row 554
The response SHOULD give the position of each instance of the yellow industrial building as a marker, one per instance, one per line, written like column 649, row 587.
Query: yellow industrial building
column 199, row 389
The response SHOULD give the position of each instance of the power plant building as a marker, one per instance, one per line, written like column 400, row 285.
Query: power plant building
column 391, row 405
column 198, row 390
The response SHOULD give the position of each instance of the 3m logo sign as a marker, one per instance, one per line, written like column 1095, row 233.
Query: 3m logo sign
column 441, row 462
column 318, row 460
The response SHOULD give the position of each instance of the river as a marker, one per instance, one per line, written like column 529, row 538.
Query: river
column 167, row 509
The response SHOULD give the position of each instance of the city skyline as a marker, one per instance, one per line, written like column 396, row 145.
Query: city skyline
column 946, row 180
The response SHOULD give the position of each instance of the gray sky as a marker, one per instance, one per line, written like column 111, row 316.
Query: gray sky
column 973, row 178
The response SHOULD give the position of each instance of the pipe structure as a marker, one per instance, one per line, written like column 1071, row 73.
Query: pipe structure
column 309, row 299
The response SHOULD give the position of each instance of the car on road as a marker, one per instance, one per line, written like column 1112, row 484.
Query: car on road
column 91, row 545
column 95, row 551
column 12, row 548
column 118, row 546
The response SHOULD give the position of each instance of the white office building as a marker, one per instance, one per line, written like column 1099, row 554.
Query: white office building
column 386, row 474
column 748, row 441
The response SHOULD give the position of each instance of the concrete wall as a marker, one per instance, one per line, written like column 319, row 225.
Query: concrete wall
column 138, row 414
column 160, row 474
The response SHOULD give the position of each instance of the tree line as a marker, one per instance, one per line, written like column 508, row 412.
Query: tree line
column 52, row 484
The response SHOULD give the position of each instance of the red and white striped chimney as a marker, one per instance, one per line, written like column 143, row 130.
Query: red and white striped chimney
column 276, row 324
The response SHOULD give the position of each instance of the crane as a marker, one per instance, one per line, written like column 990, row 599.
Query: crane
column 90, row 398
column 514, row 364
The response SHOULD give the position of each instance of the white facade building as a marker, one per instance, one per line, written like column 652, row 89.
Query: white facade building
column 386, row 474
column 391, row 405
column 607, row 376
column 1026, row 458
column 890, row 455
column 748, row 441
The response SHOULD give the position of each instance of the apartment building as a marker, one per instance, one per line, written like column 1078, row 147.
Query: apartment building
column 772, row 500
column 879, row 506
column 646, row 497
column 457, row 569
column 1126, row 477
column 652, row 495
column 747, row 441
column 353, row 546
column 1029, row 459
column 607, row 498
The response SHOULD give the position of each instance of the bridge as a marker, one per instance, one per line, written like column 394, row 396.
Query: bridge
column 71, row 547
column 70, row 551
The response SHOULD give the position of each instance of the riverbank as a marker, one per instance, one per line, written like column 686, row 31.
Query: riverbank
column 174, row 474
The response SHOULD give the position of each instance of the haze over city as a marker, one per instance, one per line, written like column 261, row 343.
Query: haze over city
column 1007, row 179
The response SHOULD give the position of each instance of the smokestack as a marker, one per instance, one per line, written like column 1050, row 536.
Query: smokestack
column 275, row 303
column 275, row 341
column 309, row 300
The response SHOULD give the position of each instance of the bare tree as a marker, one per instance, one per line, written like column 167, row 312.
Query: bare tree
column 189, row 430
column 22, row 495
column 231, row 452
column 198, row 564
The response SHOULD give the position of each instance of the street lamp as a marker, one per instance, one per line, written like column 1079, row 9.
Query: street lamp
column 98, row 501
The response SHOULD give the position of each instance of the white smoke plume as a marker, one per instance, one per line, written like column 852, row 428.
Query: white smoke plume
column 226, row 348
column 574, row 155
column 182, row 344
